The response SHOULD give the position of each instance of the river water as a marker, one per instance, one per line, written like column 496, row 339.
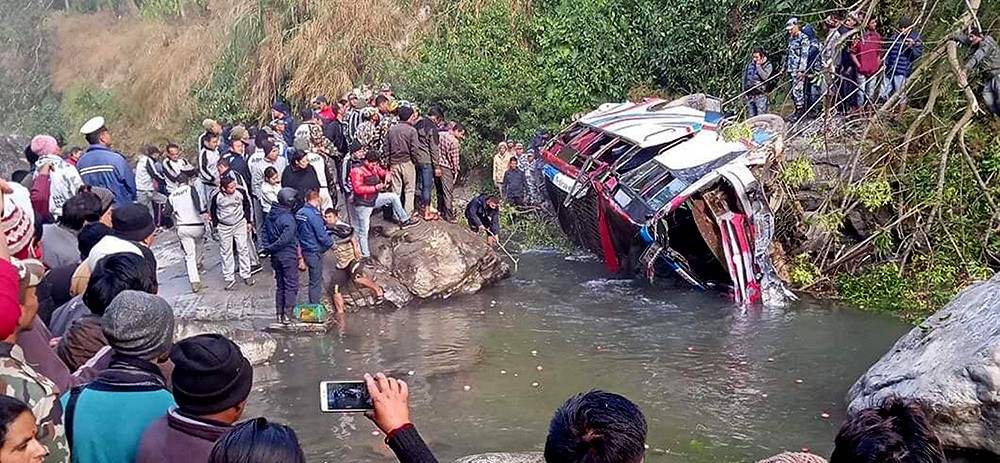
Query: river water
column 717, row 383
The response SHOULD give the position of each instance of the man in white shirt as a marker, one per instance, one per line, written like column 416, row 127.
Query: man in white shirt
column 146, row 177
column 174, row 165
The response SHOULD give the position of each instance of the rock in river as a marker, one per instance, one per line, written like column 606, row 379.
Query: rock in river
column 433, row 259
column 951, row 364
column 504, row 457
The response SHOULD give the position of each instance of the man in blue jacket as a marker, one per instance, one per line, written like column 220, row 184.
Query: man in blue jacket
column 483, row 214
column 279, row 240
column 103, row 167
column 314, row 241
column 901, row 52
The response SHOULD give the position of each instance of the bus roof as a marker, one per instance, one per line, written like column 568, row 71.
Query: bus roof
column 654, row 121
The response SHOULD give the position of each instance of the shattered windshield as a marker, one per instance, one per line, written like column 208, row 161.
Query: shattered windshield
column 654, row 184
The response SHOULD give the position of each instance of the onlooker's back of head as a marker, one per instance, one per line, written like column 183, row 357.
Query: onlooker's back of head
column 895, row 431
column 113, row 274
column 258, row 441
column 596, row 427
column 140, row 325
column 211, row 377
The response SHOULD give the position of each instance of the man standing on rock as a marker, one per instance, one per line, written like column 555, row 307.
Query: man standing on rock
column 314, row 242
column 401, row 144
column 428, row 150
column 230, row 210
column 103, row 167
column 370, row 191
column 904, row 49
column 483, row 214
column 446, row 169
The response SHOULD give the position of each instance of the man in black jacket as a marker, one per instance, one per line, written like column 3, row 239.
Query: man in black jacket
column 483, row 214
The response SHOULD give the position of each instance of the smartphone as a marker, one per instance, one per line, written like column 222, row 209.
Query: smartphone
column 344, row 397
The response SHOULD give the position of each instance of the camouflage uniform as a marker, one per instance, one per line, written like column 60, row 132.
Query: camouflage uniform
column 796, row 64
column 19, row 380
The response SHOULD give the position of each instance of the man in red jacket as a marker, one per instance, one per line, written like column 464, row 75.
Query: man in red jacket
column 371, row 190
column 866, row 53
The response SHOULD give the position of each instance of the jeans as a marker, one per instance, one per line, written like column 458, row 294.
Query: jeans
column 238, row 235
column 869, row 90
column 286, row 283
column 192, row 239
column 364, row 215
column 757, row 105
column 403, row 178
column 991, row 95
column 314, row 261
column 425, row 178
column 892, row 85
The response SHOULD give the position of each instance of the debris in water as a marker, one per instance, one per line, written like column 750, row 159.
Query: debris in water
column 503, row 372
column 645, row 446
column 805, row 450
column 690, row 348
column 539, row 368
column 281, row 361
column 515, row 375
column 764, row 395
column 534, row 384
column 291, row 354
column 410, row 373
column 267, row 364
column 350, row 368
column 743, row 363
column 347, row 351
column 534, row 353
column 284, row 350
column 467, row 387
column 770, row 359
column 824, row 415
column 798, row 381
column 482, row 312
column 260, row 389
column 501, row 312
column 600, row 347
column 493, row 302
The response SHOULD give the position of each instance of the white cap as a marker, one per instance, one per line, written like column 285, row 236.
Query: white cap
column 93, row 125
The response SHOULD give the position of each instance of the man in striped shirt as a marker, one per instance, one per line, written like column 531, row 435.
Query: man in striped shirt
column 446, row 169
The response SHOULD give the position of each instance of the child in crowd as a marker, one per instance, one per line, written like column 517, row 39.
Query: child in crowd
column 347, row 252
column 269, row 189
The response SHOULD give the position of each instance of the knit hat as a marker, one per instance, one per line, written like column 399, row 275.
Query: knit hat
column 44, row 145
column 132, row 222
column 18, row 224
column 106, row 195
column 316, row 132
column 139, row 324
column 210, row 374
column 29, row 271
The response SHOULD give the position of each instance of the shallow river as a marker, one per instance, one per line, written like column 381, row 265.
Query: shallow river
column 716, row 383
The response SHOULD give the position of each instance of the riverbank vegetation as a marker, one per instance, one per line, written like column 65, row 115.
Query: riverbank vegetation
column 926, row 187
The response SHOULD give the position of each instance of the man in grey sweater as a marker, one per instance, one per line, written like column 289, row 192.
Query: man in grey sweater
column 985, row 54
column 230, row 212
column 401, row 143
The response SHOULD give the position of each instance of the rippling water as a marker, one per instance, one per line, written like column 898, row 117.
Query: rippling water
column 717, row 383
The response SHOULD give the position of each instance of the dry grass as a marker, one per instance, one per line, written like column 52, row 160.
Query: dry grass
column 311, row 47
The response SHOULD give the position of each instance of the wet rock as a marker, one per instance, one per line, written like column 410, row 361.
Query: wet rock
column 504, row 457
column 12, row 153
column 257, row 346
column 951, row 364
column 435, row 259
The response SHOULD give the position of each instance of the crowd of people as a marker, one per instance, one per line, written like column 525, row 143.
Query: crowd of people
column 853, row 68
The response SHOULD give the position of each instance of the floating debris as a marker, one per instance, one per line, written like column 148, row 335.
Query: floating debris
column 799, row 381
column 410, row 373
column 764, row 395
column 534, row 353
column 600, row 347
column 534, row 384
column 690, row 348
column 482, row 312
column 467, row 387
column 503, row 372
column 743, row 363
column 291, row 354
column 645, row 446
column 347, row 351
column 501, row 312
column 824, row 415
column 539, row 368
column 770, row 359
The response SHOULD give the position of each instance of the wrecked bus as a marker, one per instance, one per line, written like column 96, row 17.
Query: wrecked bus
column 654, row 188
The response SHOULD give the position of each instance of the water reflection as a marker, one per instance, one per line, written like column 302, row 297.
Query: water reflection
column 716, row 383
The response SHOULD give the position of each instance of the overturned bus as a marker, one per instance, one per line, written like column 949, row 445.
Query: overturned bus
column 656, row 189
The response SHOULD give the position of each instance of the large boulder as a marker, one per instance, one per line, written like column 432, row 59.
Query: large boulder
column 434, row 259
column 951, row 364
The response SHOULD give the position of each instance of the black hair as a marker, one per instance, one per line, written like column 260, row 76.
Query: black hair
column 381, row 99
column 895, row 431
column 404, row 113
column 225, row 181
column 224, row 162
column 265, row 145
column 258, row 441
column 269, row 171
column 208, row 136
column 295, row 156
column 78, row 209
column 330, row 210
column 29, row 155
column 74, row 150
column 183, row 177
column 10, row 409
column 458, row 127
column 95, row 138
column 18, row 175
column 113, row 274
column 306, row 114
column 89, row 235
column 173, row 145
column 760, row 51
column 373, row 156
column 975, row 31
column 436, row 111
column 152, row 149
column 596, row 427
